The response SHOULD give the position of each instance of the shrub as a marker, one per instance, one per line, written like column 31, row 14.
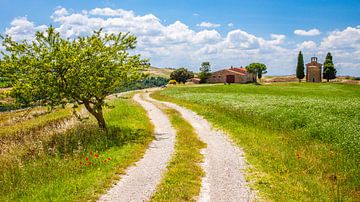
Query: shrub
column 172, row 82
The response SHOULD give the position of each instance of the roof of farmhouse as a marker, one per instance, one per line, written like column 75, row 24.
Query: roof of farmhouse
column 236, row 70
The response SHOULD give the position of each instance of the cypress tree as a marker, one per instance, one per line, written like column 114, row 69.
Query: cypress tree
column 329, row 69
column 300, row 67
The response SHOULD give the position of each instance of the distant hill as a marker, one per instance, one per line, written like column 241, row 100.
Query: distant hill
column 160, row 72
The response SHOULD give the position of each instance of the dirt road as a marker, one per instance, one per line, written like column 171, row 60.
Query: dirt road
column 141, row 179
column 224, row 162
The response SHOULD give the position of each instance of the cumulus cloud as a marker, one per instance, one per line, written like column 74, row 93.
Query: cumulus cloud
column 311, row 32
column 59, row 12
column 345, row 48
column 208, row 25
column 23, row 29
column 176, row 44
column 307, row 45
column 230, row 25
column 347, row 39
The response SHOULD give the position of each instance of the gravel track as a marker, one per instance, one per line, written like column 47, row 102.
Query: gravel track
column 140, row 180
column 224, row 162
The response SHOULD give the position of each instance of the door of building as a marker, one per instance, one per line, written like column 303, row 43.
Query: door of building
column 230, row 78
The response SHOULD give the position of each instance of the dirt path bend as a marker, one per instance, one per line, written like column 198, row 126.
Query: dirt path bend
column 224, row 162
column 140, row 180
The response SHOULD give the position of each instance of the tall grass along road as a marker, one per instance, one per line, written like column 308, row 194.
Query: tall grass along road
column 224, row 162
column 76, row 164
column 141, row 180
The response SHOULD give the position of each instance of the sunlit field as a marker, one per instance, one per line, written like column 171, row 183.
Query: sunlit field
column 302, row 139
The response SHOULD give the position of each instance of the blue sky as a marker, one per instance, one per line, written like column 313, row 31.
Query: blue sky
column 187, row 32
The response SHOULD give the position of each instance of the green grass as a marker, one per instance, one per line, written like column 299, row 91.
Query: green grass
column 56, row 168
column 182, row 181
column 303, row 140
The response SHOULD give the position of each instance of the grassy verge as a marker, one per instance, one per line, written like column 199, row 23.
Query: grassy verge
column 79, row 164
column 36, row 123
column 300, row 139
column 182, row 181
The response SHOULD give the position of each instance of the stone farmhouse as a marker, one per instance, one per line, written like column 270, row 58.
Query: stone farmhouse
column 232, row 75
column 313, row 71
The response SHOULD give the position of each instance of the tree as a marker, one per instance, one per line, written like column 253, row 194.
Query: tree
column 257, row 68
column 54, row 71
column 204, row 71
column 329, row 69
column 300, row 67
column 181, row 75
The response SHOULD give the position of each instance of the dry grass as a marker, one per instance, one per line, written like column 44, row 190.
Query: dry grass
column 160, row 72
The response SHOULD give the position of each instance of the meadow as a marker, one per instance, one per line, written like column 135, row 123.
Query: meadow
column 302, row 139
column 76, row 164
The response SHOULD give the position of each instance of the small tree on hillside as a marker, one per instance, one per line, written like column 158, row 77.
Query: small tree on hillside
column 329, row 69
column 257, row 68
column 204, row 71
column 181, row 75
column 55, row 71
column 300, row 67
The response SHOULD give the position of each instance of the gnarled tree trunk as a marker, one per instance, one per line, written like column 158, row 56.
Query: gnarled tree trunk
column 97, row 112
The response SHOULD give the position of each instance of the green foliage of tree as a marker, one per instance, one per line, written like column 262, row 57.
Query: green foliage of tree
column 144, row 83
column 300, row 67
column 257, row 68
column 4, row 79
column 54, row 71
column 204, row 71
column 329, row 68
column 181, row 75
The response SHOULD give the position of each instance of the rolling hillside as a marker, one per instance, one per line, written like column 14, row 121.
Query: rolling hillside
column 160, row 72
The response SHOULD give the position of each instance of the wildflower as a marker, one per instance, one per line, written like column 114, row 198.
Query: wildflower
column 91, row 152
column 87, row 159
column 89, row 163
column 96, row 155
column 81, row 163
column 109, row 158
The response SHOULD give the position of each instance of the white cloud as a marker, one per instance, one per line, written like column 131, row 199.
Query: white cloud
column 196, row 14
column 176, row 44
column 344, row 45
column 347, row 39
column 230, row 25
column 307, row 45
column 59, row 12
column 111, row 12
column 311, row 32
column 23, row 29
column 208, row 25
column 207, row 36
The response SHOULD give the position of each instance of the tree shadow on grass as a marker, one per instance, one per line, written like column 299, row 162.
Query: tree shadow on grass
column 90, row 137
